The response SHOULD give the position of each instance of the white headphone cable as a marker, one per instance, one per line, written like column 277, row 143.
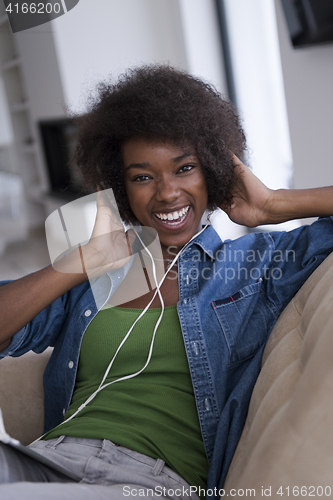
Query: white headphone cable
column 126, row 377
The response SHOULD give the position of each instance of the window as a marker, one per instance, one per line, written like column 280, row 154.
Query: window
column 259, row 91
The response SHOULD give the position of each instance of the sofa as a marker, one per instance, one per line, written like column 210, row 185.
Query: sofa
column 287, row 441
column 286, row 448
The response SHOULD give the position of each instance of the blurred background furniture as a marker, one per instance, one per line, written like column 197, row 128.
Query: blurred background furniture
column 13, row 218
column 22, row 395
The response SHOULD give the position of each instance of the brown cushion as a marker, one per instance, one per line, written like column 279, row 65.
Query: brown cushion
column 288, row 436
column 22, row 395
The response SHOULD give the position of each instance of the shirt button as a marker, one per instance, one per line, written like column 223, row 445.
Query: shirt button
column 207, row 405
column 195, row 348
column 70, row 364
column 87, row 313
column 63, row 411
column 185, row 301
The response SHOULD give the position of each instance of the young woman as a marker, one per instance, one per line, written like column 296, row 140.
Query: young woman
column 168, row 146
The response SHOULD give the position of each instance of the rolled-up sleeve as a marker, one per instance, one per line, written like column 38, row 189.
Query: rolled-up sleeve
column 17, row 341
column 297, row 254
column 42, row 331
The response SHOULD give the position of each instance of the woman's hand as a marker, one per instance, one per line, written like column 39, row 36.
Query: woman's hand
column 251, row 198
column 255, row 204
column 109, row 247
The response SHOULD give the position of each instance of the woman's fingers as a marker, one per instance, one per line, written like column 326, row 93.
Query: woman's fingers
column 108, row 217
column 250, row 197
column 109, row 246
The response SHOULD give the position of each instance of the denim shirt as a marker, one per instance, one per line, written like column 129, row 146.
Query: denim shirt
column 230, row 296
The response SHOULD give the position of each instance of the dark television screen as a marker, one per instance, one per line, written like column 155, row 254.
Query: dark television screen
column 309, row 21
column 59, row 139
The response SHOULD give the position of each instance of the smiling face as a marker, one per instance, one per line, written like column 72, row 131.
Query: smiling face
column 166, row 188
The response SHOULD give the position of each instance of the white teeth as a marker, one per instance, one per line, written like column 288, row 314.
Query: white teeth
column 179, row 214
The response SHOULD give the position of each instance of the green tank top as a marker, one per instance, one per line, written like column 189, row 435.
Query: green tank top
column 153, row 413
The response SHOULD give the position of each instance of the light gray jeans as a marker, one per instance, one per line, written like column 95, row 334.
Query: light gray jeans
column 108, row 472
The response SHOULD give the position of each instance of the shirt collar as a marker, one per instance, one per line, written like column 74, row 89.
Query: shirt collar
column 209, row 241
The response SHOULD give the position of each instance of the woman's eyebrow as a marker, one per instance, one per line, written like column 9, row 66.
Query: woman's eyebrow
column 137, row 165
column 183, row 156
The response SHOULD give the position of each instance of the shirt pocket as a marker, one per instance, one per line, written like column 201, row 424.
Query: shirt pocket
column 243, row 321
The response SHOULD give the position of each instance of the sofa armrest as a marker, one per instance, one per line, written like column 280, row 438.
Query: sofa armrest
column 22, row 395
column 288, row 435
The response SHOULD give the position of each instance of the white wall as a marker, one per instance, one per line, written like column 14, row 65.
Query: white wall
column 40, row 72
column 6, row 132
column 259, row 89
column 92, row 43
column 308, row 81
column 98, row 39
column 203, row 42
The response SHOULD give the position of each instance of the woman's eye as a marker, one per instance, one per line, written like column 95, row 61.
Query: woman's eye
column 185, row 168
column 140, row 178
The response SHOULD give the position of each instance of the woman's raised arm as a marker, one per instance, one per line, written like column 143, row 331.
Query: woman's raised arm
column 109, row 248
column 23, row 299
column 255, row 204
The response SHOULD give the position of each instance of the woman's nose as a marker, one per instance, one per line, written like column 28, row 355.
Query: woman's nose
column 167, row 190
